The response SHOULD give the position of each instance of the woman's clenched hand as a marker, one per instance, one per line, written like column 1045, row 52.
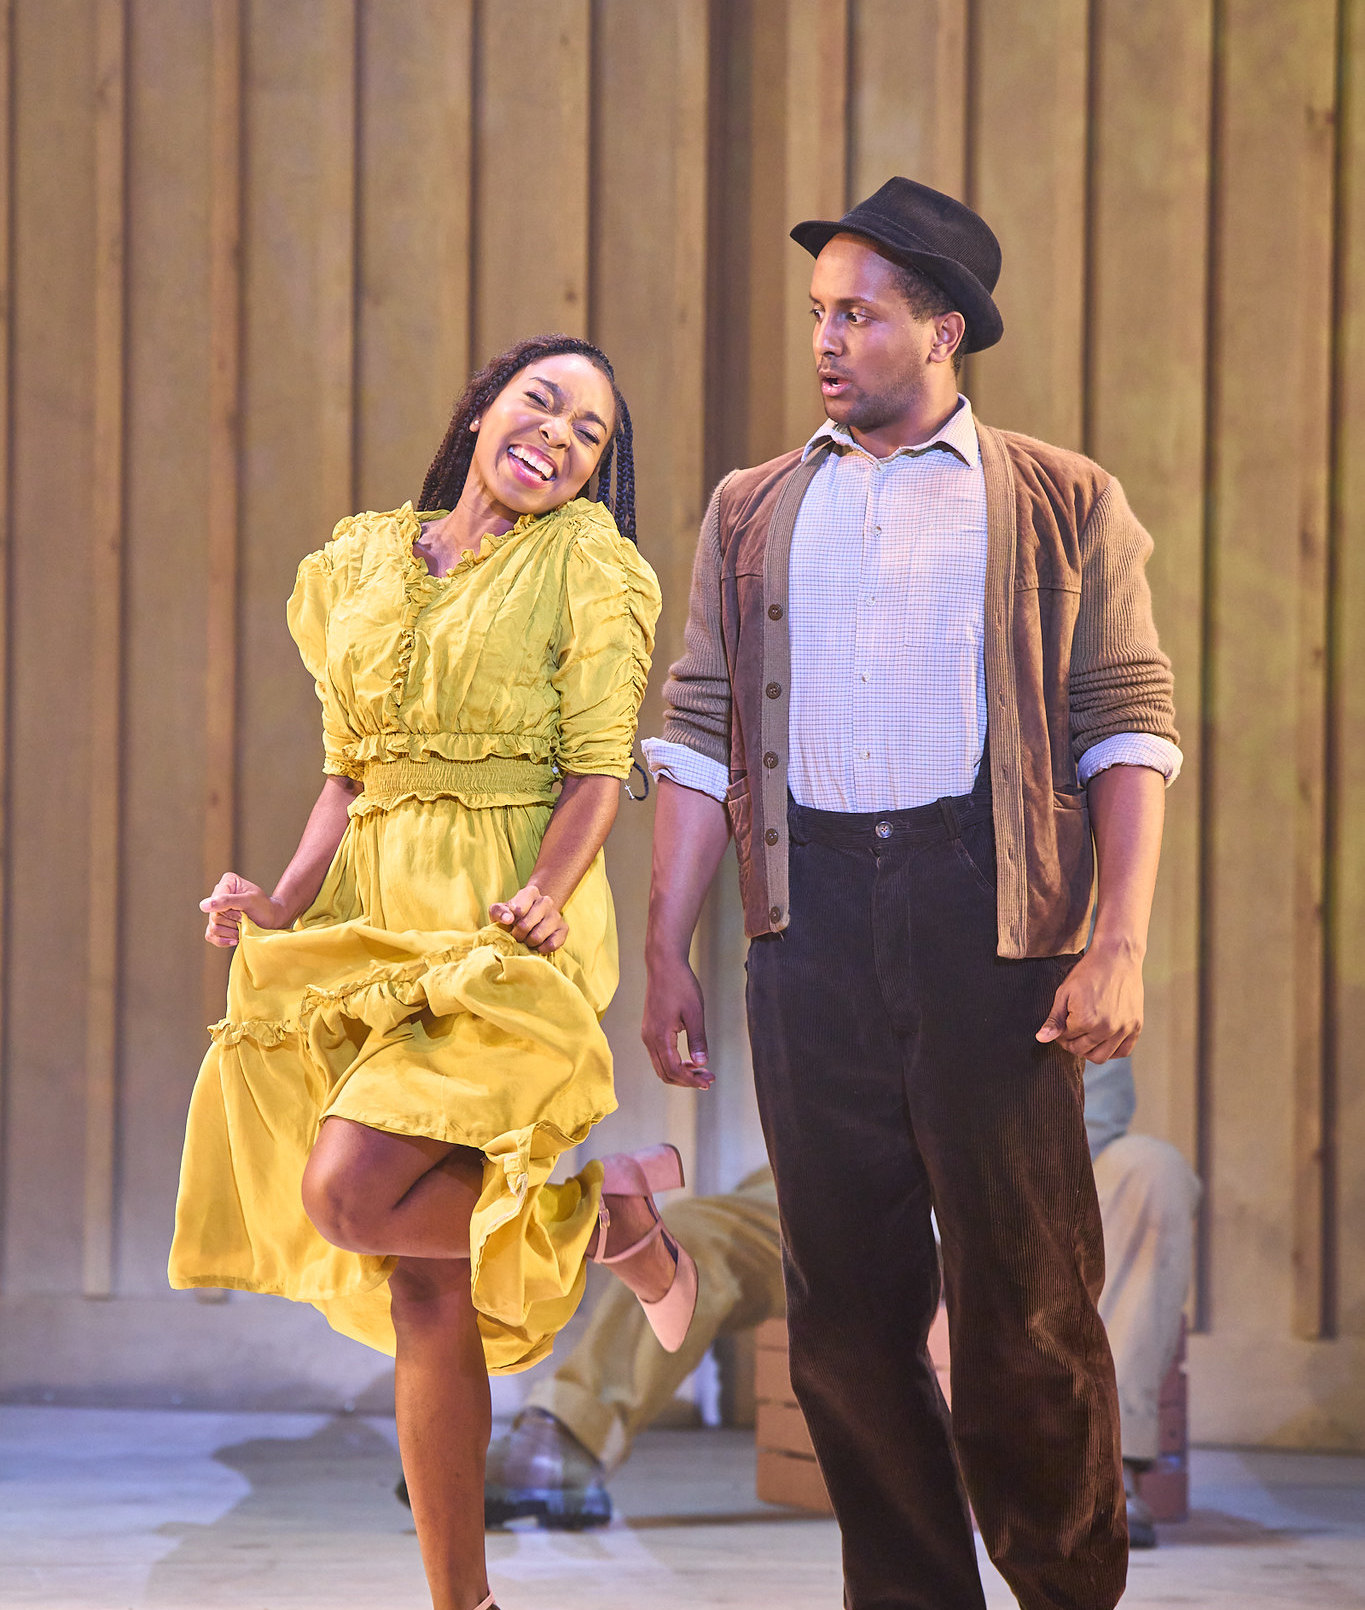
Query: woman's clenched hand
column 233, row 898
column 533, row 918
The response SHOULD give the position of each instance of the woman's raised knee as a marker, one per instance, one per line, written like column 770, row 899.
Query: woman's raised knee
column 339, row 1212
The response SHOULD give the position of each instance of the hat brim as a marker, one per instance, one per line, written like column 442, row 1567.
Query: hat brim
column 973, row 301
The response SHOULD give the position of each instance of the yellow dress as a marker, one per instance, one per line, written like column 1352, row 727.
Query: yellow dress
column 392, row 1001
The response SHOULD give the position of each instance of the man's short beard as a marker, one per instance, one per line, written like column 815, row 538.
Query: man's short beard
column 869, row 413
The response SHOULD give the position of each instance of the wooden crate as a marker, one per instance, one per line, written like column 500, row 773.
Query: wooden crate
column 788, row 1473
column 1166, row 1486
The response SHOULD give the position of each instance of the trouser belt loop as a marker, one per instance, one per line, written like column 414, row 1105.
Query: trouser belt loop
column 951, row 820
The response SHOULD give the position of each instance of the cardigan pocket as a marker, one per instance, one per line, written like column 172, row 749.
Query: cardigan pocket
column 741, row 812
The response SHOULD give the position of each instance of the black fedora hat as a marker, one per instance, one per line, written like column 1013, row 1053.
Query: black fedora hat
column 932, row 232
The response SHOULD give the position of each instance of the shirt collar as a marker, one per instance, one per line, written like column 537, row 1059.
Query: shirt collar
column 958, row 435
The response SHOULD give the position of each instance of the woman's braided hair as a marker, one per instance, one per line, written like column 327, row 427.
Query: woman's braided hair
column 446, row 477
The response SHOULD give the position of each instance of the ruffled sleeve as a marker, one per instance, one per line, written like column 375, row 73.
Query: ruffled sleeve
column 310, row 606
column 611, row 605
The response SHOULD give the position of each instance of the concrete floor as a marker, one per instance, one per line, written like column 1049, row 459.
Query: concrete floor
column 126, row 1509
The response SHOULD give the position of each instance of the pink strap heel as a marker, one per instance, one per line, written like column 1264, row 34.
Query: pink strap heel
column 659, row 1168
column 486, row 1604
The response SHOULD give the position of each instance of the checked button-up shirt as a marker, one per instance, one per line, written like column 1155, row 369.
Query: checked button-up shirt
column 887, row 620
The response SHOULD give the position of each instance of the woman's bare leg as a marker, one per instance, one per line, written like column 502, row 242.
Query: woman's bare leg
column 391, row 1195
column 444, row 1417
column 402, row 1195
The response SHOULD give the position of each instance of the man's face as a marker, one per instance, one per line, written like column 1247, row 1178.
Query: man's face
column 870, row 349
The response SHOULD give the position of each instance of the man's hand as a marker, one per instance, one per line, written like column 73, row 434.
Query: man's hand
column 1097, row 1011
column 533, row 918
column 673, row 1006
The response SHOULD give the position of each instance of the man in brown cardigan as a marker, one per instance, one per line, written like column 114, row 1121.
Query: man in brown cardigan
column 922, row 690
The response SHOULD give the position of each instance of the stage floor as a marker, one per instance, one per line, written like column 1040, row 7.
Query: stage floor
column 126, row 1509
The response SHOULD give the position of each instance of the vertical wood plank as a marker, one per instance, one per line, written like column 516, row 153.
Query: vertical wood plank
column 6, row 404
column 1146, row 423
column 174, row 538
column 648, row 300
column 414, row 189
column 105, row 648
column 298, row 377
column 815, row 184
column 1346, row 768
column 757, row 216
column 1028, row 180
column 1264, row 800
column 336, row 260
column 784, row 158
column 53, row 269
column 1312, row 1212
column 224, row 446
column 908, row 94
column 531, row 172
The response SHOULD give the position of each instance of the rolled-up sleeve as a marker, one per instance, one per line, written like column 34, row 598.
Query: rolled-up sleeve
column 1120, row 681
column 688, row 767
column 1131, row 749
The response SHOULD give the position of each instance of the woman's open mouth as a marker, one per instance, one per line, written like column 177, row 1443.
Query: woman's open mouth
column 530, row 465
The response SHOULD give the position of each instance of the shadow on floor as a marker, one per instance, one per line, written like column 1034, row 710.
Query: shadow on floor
column 1211, row 1528
column 313, row 1493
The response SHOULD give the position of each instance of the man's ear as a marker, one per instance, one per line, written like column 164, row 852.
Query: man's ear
column 949, row 334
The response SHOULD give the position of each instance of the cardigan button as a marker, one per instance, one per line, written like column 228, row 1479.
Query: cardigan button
column 771, row 836
column 770, row 759
column 774, row 913
column 774, row 690
column 774, row 612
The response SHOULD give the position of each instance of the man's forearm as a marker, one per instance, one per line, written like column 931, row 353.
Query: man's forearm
column 691, row 831
column 1127, row 811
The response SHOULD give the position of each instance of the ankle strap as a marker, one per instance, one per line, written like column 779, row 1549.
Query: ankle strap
column 603, row 1225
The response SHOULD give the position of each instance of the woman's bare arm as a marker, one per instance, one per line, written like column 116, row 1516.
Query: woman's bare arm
column 578, row 829
column 235, row 896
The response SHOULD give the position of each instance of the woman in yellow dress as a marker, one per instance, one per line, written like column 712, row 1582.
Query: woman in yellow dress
column 412, row 1036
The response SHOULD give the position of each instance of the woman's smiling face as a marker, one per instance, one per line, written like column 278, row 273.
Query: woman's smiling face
column 542, row 436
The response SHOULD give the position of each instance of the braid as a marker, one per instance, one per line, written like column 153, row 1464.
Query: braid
column 449, row 469
column 623, row 504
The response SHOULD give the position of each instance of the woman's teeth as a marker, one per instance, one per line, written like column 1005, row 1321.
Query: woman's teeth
column 535, row 465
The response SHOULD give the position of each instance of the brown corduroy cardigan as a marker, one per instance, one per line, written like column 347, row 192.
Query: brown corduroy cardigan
column 1071, row 657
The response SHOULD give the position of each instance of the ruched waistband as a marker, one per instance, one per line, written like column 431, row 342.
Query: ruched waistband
column 497, row 779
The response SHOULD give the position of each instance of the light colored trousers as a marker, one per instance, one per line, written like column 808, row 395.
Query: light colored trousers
column 618, row 1378
column 1148, row 1194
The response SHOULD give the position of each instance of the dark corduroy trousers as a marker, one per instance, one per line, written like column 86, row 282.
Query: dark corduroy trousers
column 897, row 1072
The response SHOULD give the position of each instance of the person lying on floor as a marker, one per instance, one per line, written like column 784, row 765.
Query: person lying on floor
column 577, row 1426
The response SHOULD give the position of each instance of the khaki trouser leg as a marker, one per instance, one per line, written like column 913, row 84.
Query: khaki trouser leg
column 618, row 1378
column 1148, row 1195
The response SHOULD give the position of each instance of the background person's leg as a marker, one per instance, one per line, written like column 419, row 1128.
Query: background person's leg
column 580, row 1422
column 1148, row 1195
column 618, row 1379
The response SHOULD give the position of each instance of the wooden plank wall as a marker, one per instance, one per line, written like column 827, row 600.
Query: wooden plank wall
column 249, row 251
